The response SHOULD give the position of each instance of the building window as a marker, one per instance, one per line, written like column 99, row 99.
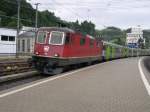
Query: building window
column 11, row 38
column 82, row 41
column 28, row 45
column 7, row 38
column 23, row 45
column 4, row 38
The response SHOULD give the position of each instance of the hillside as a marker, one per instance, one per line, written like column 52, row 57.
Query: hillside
column 113, row 34
column 118, row 36
column 8, row 15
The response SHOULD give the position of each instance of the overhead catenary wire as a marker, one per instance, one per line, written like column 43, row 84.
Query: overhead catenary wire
column 110, row 5
column 96, row 5
column 67, row 9
column 13, row 17
column 93, row 6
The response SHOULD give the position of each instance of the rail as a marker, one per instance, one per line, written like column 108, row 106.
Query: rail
column 14, row 67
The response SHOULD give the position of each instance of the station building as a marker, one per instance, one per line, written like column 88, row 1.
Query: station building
column 7, row 41
column 26, row 42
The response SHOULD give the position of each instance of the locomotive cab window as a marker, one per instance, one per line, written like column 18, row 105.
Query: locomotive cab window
column 56, row 38
column 41, row 37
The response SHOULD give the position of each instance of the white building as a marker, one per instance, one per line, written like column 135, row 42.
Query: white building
column 7, row 41
column 133, row 37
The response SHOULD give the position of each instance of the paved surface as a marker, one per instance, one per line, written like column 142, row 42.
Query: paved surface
column 109, row 87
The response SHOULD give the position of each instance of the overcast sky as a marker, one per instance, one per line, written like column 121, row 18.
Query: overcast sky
column 119, row 13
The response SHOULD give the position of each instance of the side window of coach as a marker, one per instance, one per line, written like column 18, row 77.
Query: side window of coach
column 91, row 43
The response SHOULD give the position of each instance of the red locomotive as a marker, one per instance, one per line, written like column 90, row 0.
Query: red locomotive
column 57, row 48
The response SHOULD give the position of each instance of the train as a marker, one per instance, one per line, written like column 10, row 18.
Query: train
column 57, row 48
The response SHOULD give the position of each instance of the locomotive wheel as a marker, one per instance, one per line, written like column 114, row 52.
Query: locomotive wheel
column 52, row 71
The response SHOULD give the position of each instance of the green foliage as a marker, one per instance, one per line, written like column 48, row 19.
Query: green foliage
column 118, row 36
column 112, row 34
column 85, row 27
column 12, row 24
column 146, row 34
column 8, row 7
column 75, row 25
column 88, row 27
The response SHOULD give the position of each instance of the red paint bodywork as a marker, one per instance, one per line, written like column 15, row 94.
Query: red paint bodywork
column 71, row 50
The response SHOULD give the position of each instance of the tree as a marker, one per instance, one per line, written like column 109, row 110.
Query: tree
column 146, row 35
column 112, row 34
column 88, row 27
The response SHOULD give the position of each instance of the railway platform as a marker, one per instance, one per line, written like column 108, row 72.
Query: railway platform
column 115, row 86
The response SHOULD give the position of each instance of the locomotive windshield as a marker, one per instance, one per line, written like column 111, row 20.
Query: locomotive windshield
column 41, row 37
column 56, row 38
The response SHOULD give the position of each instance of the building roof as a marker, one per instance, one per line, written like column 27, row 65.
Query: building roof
column 28, row 34
column 57, row 29
column 7, row 28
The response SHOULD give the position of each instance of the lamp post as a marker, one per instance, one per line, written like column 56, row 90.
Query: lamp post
column 18, row 26
column 36, row 15
column 0, row 21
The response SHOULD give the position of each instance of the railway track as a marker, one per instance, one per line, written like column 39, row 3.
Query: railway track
column 10, row 81
column 14, row 67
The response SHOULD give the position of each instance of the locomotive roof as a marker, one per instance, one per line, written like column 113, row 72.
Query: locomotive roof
column 57, row 29
column 91, row 37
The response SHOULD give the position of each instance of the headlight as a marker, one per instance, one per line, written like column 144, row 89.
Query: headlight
column 56, row 55
column 36, row 53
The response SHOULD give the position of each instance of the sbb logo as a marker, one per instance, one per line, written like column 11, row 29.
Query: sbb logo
column 46, row 48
